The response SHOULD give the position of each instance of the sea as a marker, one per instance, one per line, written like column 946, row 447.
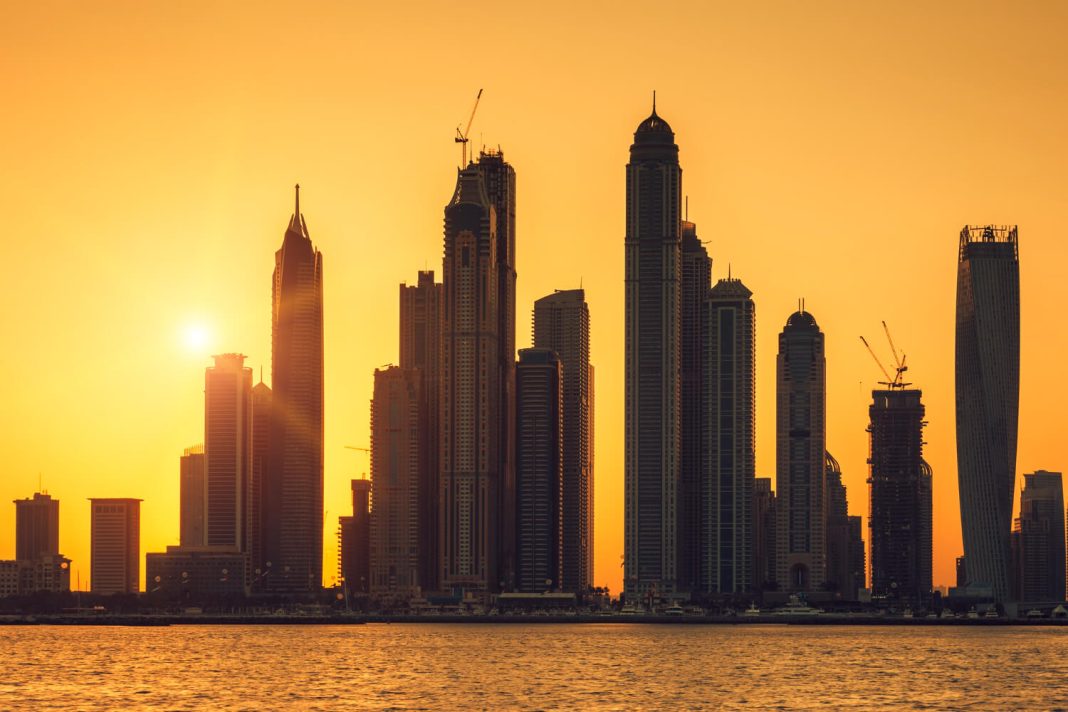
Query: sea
column 475, row 666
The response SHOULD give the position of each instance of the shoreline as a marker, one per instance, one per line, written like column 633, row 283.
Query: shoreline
column 155, row 620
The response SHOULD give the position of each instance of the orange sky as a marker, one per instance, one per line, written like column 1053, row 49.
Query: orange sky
column 831, row 150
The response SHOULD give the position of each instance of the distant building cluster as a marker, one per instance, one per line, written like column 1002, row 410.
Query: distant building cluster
column 482, row 459
column 38, row 566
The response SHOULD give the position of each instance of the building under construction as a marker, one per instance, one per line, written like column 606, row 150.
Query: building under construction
column 900, row 488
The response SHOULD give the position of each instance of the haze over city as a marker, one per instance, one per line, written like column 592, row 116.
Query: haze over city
column 829, row 152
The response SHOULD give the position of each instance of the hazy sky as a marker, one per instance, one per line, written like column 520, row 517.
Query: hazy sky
column 830, row 150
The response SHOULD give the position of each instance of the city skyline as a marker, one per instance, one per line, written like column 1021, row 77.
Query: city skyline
column 747, row 188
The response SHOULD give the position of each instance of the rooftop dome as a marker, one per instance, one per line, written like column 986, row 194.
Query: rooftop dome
column 801, row 320
column 654, row 129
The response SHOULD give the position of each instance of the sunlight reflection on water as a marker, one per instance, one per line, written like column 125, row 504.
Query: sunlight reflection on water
column 484, row 666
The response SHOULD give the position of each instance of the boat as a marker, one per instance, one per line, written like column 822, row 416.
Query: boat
column 1034, row 613
column 908, row 613
column 629, row 610
column 674, row 610
column 972, row 613
column 794, row 607
column 991, row 613
column 752, row 611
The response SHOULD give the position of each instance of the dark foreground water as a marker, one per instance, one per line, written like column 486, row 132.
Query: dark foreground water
column 475, row 666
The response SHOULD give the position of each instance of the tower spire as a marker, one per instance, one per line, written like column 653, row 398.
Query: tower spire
column 654, row 101
column 296, row 209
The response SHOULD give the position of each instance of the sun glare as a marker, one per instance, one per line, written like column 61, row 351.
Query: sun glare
column 196, row 338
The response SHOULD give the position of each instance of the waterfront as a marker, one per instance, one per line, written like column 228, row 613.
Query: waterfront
column 488, row 666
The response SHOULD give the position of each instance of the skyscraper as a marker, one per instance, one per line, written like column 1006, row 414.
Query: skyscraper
column 396, row 473
column 729, row 437
column 293, row 491
column 539, row 470
column 900, row 490
column 115, row 545
column 355, row 545
column 800, row 452
column 562, row 325
column 694, row 285
column 192, row 497
column 227, row 450
column 988, row 398
column 498, row 177
column 1039, row 539
column 471, row 421
column 763, row 519
column 260, row 462
column 420, row 348
column 36, row 527
column 652, row 363
column 842, row 536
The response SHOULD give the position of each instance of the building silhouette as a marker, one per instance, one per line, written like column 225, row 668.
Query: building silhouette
column 1038, row 539
column 900, row 520
column 800, row 455
column 842, row 537
column 227, row 450
column 562, row 325
column 652, row 362
column 539, row 470
column 115, row 545
column 471, row 421
column 262, row 397
column 420, row 348
column 763, row 523
column 293, row 491
column 695, row 280
column 397, row 470
column 498, row 177
column 354, row 534
column 192, row 498
column 729, row 439
column 38, row 565
column 987, row 398
column 195, row 574
column 36, row 527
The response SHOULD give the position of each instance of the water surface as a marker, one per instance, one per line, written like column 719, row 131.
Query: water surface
column 487, row 666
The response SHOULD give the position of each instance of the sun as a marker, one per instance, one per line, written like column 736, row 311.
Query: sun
column 196, row 338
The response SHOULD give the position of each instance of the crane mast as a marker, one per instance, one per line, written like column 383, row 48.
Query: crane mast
column 461, row 136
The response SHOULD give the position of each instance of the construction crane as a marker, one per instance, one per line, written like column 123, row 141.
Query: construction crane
column 361, row 449
column 897, row 382
column 461, row 136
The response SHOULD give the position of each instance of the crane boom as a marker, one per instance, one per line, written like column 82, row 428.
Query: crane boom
column 897, row 361
column 877, row 361
column 461, row 137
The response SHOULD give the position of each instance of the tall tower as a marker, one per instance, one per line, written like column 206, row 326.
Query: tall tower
column 651, row 442
column 800, row 451
column 36, row 527
column 1039, row 538
column 193, row 497
column 115, row 544
column 227, row 450
column 988, row 398
column 471, row 421
column 498, row 178
column 355, row 540
column 696, row 280
column 562, row 324
column 293, row 491
column 539, row 470
column 260, row 462
column 900, row 492
column 420, row 348
column 729, row 387
column 396, row 473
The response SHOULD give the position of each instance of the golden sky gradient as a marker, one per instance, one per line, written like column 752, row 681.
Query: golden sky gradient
column 830, row 150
